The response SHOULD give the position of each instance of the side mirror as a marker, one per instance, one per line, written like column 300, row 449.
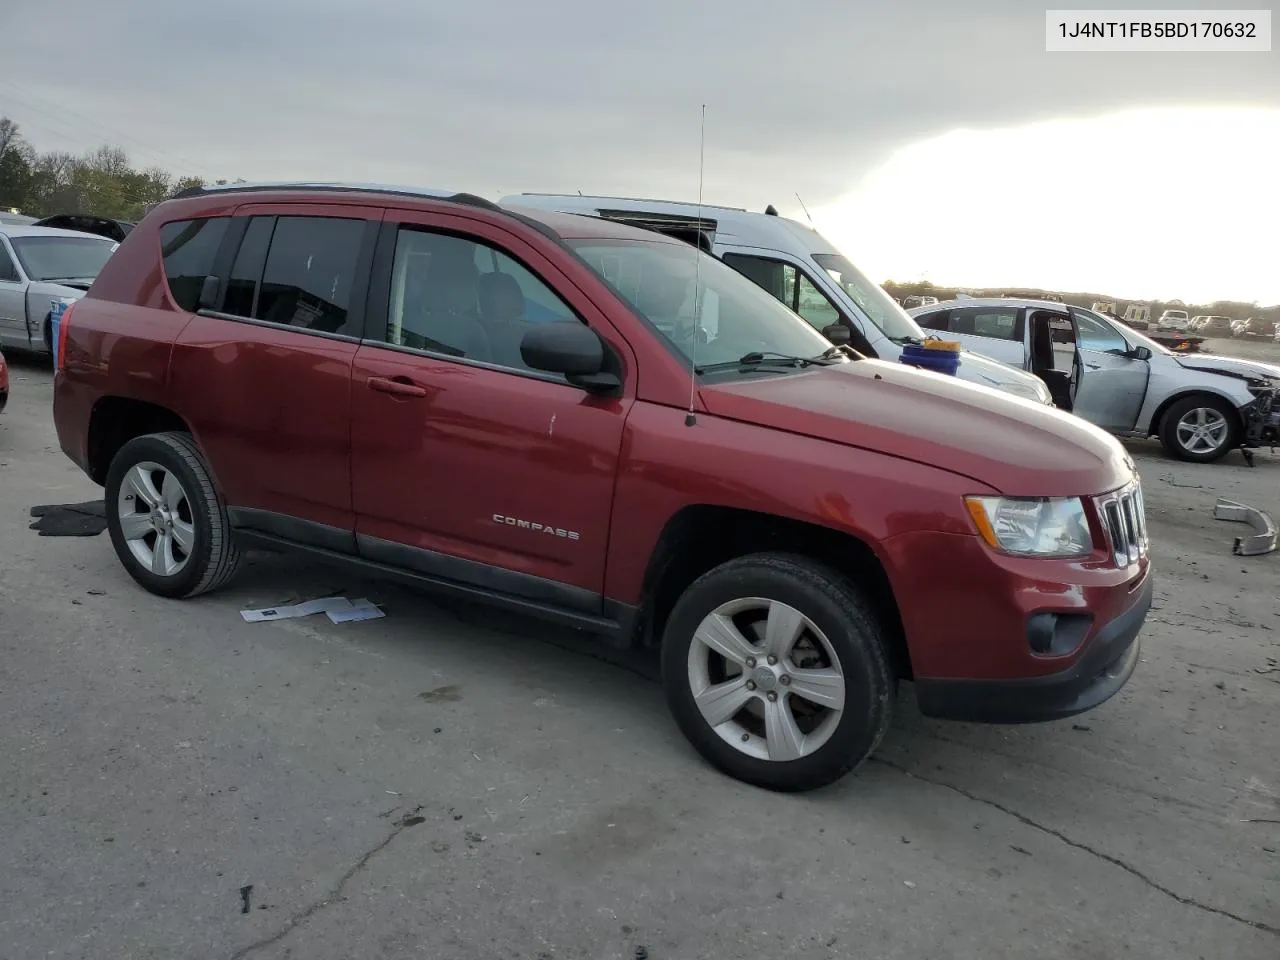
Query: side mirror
column 1140, row 353
column 572, row 349
column 209, row 293
column 837, row 333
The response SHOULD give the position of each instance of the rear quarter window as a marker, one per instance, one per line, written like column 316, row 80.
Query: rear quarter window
column 189, row 248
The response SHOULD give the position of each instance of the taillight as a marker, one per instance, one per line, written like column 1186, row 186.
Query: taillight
column 60, row 348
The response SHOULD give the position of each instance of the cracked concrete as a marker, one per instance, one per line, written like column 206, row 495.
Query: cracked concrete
column 409, row 820
column 1127, row 867
column 160, row 756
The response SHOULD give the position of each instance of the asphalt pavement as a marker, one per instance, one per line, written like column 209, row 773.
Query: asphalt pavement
column 444, row 783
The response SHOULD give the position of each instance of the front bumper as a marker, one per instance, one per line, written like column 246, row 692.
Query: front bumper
column 1094, row 678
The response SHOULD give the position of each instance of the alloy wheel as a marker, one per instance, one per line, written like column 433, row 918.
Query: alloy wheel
column 155, row 519
column 1202, row 430
column 766, row 679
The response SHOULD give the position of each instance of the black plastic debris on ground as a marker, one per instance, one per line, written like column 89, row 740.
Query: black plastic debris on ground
column 70, row 519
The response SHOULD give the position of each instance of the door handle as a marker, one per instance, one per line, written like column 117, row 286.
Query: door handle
column 396, row 386
column 1092, row 366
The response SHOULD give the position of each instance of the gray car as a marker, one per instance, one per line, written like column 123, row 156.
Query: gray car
column 1200, row 406
column 37, row 266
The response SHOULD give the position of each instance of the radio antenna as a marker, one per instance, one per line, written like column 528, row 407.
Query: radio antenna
column 804, row 208
column 690, row 419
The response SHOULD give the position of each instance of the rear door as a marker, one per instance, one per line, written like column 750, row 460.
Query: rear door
column 467, row 464
column 1110, row 384
column 263, row 374
column 13, row 304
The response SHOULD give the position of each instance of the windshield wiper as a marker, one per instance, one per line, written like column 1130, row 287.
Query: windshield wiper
column 757, row 359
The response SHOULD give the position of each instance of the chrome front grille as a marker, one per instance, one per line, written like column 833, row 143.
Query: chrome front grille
column 1125, row 522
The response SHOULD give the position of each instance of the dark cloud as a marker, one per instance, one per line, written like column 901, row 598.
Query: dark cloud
column 566, row 94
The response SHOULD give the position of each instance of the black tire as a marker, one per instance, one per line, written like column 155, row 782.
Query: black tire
column 835, row 607
column 48, row 333
column 214, row 557
column 1169, row 428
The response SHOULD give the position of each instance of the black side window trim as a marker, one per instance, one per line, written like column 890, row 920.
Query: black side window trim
column 226, row 257
column 469, row 362
column 252, row 321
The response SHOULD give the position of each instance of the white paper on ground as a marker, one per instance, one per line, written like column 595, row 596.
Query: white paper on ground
column 359, row 610
column 290, row 610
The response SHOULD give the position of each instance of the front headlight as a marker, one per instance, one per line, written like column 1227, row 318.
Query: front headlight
column 1032, row 526
column 1037, row 392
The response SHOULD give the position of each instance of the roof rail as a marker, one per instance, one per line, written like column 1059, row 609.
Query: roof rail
column 335, row 185
column 674, row 203
column 469, row 199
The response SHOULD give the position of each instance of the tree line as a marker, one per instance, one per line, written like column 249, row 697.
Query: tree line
column 101, row 182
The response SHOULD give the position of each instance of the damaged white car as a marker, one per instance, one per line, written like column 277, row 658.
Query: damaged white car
column 1200, row 406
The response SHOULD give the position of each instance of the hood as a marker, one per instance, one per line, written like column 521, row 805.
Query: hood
column 1016, row 446
column 1231, row 366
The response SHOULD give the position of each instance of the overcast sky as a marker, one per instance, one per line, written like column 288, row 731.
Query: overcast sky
column 825, row 98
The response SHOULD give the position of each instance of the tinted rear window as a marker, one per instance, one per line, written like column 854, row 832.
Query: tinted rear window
column 189, row 248
column 309, row 273
column 246, row 272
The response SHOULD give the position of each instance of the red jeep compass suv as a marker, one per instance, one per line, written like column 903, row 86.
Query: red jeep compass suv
column 609, row 428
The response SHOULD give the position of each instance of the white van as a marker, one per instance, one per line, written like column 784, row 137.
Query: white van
column 798, row 266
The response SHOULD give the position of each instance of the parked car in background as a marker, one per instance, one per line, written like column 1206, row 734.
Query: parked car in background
column 4, row 383
column 8, row 217
column 1201, row 407
column 914, row 301
column 115, row 230
column 513, row 407
column 1214, row 326
column 1257, row 328
column 1137, row 317
column 38, row 265
column 798, row 267
column 1172, row 320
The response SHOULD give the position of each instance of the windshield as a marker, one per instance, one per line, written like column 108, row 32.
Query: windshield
column 870, row 298
column 62, row 258
column 734, row 316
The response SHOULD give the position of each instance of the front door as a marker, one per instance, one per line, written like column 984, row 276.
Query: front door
column 792, row 285
column 467, row 464
column 1110, row 385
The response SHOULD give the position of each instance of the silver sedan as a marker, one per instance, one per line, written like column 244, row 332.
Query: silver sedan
column 1200, row 406
column 37, row 266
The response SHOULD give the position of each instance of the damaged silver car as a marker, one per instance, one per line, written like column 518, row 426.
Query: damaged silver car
column 1200, row 406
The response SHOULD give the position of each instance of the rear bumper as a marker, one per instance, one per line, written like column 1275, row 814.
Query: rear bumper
column 72, row 410
column 1094, row 678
